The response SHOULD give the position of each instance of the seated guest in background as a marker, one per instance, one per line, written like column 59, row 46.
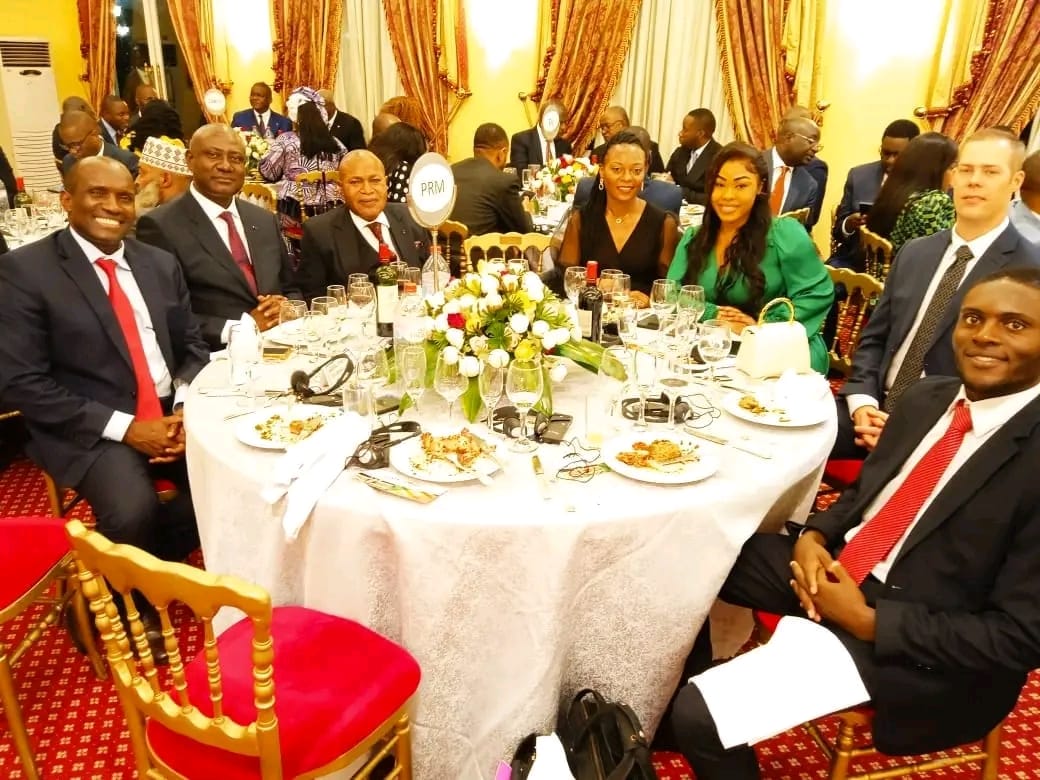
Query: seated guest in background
column 816, row 167
column 309, row 146
column 762, row 257
column 7, row 178
column 115, row 119
column 488, row 200
column 158, row 120
column 791, row 186
column 344, row 128
column 663, row 194
column 362, row 233
column 73, row 103
column 143, row 95
column 259, row 118
column 908, row 333
column 692, row 157
column 1025, row 212
column 231, row 252
column 615, row 119
column 616, row 227
column 912, row 202
column 162, row 175
column 81, row 136
column 99, row 348
column 398, row 147
column 923, row 570
column 861, row 189
column 530, row 147
column 382, row 122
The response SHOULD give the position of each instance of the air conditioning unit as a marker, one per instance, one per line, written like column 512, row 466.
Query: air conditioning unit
column 30, row 96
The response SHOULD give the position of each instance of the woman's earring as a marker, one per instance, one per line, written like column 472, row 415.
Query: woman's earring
column 601, row 183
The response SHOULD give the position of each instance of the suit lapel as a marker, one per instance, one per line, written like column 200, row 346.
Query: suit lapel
column 151, row 291
column 920, row 270
column 353, row 252
column 265, row 270
column 206, row 234
column 402, row 241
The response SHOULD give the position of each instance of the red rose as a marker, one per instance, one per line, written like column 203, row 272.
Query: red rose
column 456, row 321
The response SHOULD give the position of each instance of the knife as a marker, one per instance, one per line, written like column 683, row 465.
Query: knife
column 750, row 449
column 539, row 472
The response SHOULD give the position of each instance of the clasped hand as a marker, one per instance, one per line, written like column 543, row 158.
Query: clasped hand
column 267, row 312
column 868, row 422
column 161, row 439
column 734, row 318
column 826, row 590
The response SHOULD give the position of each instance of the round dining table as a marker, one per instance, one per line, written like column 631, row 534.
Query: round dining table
column 512, row 596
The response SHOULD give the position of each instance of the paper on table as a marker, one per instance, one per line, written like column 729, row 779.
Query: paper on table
column 755, row 696
column 550, row 761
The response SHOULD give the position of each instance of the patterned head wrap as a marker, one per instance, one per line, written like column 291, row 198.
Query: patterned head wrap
column 165, row 154
column 302, row 95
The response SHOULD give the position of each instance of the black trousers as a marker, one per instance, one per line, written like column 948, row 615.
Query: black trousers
column 845, row 447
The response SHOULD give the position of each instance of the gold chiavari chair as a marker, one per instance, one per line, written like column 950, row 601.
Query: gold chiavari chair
column 450, row 238
column 862, row 293
column 530, row 246
column 802, row 215
column 259, row 195
column 878, row 253
column 312, row 179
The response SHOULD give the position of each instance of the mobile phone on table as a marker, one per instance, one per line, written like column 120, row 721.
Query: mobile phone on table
column 556, row 430
column 276, row 352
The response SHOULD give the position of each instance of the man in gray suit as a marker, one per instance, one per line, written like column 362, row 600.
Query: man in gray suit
column 908, row 335
column 791, row 186
column 80, row 134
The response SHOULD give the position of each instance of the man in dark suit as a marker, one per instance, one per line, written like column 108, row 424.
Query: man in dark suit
column 259, row 118
column 924, row 570
column 80, row 134
column 344, row 127
column 908, row 333
column 614, row 120
column 143, row 95
column 692, row 157
column 530, row 147
column 861, row 188
column 663, row 194
column 791, row 186
column 231, row 252
column 357, row 236
column 99, row 344
column 72, row 103
column 488, row 200
column 115, row 119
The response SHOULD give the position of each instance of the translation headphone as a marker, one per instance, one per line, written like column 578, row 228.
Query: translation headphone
column 300, row 381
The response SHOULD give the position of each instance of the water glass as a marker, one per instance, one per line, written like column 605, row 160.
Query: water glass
column 372, row 370
column 356, row 400
column 411, row 368
column 491, row 383
column 644, row 372
column 713, row 343
column 449, row 382
column 691, row 301
column 290, row 322
column 524, row 386
column 412, row 275
column 574, row 282
column 361, row 308
column 355, row 278
column 314, row 330
column 664, row 294
column 245, row 351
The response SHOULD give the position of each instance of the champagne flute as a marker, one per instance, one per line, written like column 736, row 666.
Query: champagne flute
column 691, row 301
column 524, row 386
column 449, row 382
column 645, row 374
column 412, row 368
column 491, row 383
column 574, row 283
column 325, row 306
column 713, row 343
column 664, row 295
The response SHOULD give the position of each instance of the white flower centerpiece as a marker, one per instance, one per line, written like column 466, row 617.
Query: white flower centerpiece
column 256, row 147
column 561, row 176
column 498, row 314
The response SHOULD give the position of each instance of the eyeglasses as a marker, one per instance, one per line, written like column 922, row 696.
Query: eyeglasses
column 814, row 143
column 74, row 146
column 373, row 453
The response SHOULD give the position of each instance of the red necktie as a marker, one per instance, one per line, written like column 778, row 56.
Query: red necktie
column 776, row 198
column 386, row 254
column 148, row 406
column 877, row 538
column 238, row 251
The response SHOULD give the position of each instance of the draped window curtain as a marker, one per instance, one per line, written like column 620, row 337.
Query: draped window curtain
column 193, row 25
column 425, row 36
column 367, row 75
column 588, row 41
column 673, row 68
column 306, row 43
column 97, row 38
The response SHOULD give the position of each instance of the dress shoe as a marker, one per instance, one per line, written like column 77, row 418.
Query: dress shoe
column 68, row 619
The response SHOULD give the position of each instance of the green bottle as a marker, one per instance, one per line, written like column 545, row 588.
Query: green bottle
column 386, row 299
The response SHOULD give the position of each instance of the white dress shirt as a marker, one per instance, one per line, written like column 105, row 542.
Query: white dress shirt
column 778, row 164
column 978, row 246
column 694, row 155
column 213, row 210
column 369, row 236
column 264, row 117
column 987, row 416
column 117, row 424
column 111, row 131
column 541, row 145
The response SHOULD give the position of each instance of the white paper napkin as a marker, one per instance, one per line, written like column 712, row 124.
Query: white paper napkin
column 550, row 761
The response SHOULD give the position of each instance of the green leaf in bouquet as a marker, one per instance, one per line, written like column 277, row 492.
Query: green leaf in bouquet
column 585, row 353
column 545, row 403
column 471, row 401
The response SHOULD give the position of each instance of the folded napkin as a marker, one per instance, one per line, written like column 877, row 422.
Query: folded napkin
column 798, row 393
column 307, row 469
column 245, row 341
column 220, row 354
column 550, row 761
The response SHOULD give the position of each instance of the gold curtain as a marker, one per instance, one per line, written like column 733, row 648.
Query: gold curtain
column 307, row 35
column 193, row 26
column 802, row 49
column 585, row 46
column 97, row 44
column 425, row 35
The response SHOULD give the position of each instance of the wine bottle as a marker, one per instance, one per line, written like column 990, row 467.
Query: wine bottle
column 386, row 299
column 590, row 304
column 22, row 199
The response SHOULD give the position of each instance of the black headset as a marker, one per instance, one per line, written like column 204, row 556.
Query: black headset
column 300, row 381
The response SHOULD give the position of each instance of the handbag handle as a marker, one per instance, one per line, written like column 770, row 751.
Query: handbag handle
column 771, row 304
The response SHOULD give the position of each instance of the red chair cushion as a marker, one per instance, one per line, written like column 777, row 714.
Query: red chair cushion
column 767, row 620
column 842, row 473
column 29, row 548
column 335, row 681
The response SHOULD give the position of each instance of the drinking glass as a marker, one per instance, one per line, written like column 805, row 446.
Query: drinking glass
column 713, row 343
column 356, row 399
column 372, row 370
column 510, row 170
column 524, row 386
column 664, row 294
column 245, row 351
column 691, row 301
column 601, row 407
column 326, row 306
column 290, row 322
column 574, row 283
column 627, row 316
column 355, row 278
column 674, row 347
column 361, row 307
column 491, row 382
column 411, row 367
column 413, row 275
column 449, row 382
column 314, row 329
column 526, row 177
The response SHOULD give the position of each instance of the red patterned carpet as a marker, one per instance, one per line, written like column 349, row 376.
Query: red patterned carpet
column 78, row 729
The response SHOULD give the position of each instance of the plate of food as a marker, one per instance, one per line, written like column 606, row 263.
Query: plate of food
column 279, row 427
column 760, row 408
column 662, row 459
column 460, row 456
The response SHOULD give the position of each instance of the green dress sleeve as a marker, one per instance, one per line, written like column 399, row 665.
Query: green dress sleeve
column 677, row 268
column 927, row 213
column 677, row 271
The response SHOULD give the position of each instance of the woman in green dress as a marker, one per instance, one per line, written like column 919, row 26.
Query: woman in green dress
column 743, row 257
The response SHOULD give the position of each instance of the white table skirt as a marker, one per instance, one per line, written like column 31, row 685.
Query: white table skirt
column 508, row 601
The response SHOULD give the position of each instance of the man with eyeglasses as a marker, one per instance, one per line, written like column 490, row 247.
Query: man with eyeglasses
column 791, row 186
column 80, row 134
column 614, row 120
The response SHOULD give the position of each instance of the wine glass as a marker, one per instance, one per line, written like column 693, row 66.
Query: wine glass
column 644, row 372
column 245, row 351
column 713, row 343
column 574, row 283
column 448, row 381
column 411, row 365
column 327, row 305
column 290, row 321
column 524, row 386
column 664, row 295
column 361, row 305
column 627, row 316
column 355, row 278
column 491, row 382
column 372, row 371
column 691, row 301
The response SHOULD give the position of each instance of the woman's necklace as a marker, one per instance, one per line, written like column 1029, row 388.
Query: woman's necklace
column 617, row 220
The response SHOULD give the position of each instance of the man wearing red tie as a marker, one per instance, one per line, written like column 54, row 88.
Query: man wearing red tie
column 99, row 345
column 926, row 569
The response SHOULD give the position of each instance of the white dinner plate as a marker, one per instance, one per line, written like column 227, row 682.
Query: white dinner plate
column 288, row 334
column 778, row 418
column 704, row 467
column 248, row 429
column 408, row 458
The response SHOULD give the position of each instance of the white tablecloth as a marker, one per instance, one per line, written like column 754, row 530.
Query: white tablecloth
column 508, row 601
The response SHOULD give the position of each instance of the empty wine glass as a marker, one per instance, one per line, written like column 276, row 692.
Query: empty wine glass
column 290, row 322
column 449, row 382
column 524, row 386
column 372, row 371
column 411, row 365
column 691, row 301
column 713, row 342
column 664, row 295
column 627, row 315
column 326, row 305
column 361, row 306
column 574, row 283
column 491, row 383
column 644, row 372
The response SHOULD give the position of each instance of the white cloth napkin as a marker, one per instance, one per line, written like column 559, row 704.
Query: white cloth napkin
column 550, row 761
column 307, row 469
column 220, row 354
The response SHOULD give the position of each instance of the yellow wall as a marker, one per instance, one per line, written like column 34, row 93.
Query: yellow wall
column 57, row 22
column 242, row 48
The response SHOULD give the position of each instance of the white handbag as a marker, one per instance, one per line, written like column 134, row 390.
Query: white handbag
column 770, row 348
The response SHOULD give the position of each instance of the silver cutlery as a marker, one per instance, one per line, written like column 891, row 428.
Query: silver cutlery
column 539, row 473
column 750, row 450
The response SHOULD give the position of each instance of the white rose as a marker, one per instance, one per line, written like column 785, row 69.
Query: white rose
column 472, row 282
column 469, row 366
column 455, row 337
column 540, row 328
column 452, row 307
column 536, row 294
column 435, row 300
column 493, row 302
column 478, row 344
column 440, row 322
column 509, row 282
column 467, row 301
column 531, row 279
column 488, row 284
column 450, row 355
column 576, row 333
column 549, row 340
column 558, row 372
column 498, row 358
column 561, row 335
column 519, row 322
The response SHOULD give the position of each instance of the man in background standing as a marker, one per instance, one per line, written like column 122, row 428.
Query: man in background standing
column 344, row 127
